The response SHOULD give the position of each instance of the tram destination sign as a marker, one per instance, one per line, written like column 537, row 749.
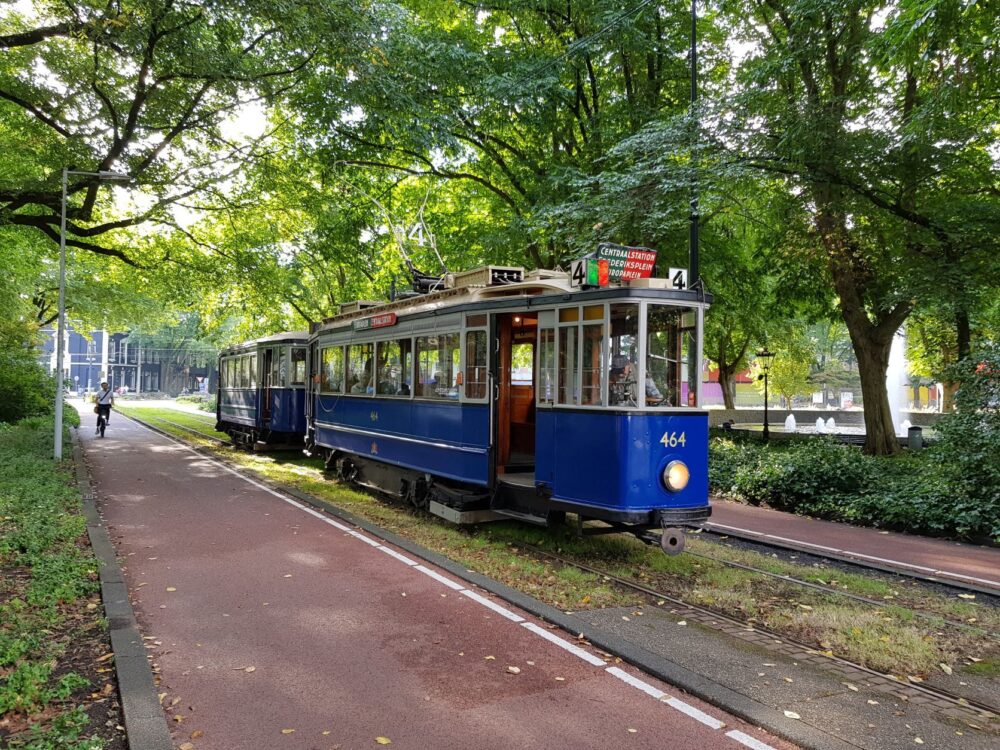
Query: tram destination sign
column 375, row 321
column 626, row 263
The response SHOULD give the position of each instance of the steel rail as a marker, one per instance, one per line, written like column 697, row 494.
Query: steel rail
column 940, row 693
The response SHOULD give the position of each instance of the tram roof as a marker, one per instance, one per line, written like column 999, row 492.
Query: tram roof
column 547, row 287
column 288, row 337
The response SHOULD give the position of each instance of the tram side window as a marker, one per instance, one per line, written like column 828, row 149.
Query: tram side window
column 475, row 364
column 331, row 375
column 624, row 355
column 244, row 378
column 298, row 362
column 394, row 370
column 670, row 349
column 359, row 368
column 438, row 360
column 224, row 374
column 546, row 366
column 281, row 355
column 569, row 381
column 253, row 370
column 592, row 361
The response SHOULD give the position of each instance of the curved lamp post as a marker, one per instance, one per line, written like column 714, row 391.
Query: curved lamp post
column 103, row 175
column 765, row 358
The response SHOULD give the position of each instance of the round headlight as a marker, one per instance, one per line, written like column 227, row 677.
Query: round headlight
column 676, row 475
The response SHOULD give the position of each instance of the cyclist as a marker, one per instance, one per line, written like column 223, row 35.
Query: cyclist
column 105, row 400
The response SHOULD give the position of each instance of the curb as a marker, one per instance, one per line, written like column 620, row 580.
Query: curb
column 741, row 706
column 145, row 724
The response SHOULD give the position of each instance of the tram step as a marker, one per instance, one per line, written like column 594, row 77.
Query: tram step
column 462, row 517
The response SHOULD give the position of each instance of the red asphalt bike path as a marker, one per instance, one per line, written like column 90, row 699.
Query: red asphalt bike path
column 262, row 615
column 964, row 563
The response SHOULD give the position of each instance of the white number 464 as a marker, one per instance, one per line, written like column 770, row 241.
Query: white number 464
column 672, row 439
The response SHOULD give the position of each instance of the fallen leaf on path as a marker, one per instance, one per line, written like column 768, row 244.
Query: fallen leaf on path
column 966, row 596
column 489, row 658
column 171, row 588
column 851, row 687
column 287, row 731
column 514, row 670
column 383, row 740
column 945, row 668
column 196, row 734
column 792, row 715
column 632, row 731
column 106, row 657
column 186, row 746
column 560, row 679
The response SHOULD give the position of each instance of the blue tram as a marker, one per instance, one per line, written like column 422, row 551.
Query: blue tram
column 520, row 395
column 262, row 391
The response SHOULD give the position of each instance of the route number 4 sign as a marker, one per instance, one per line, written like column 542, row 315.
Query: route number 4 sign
column 678, row 278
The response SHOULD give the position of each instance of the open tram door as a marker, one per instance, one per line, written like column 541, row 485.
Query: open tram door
column 514, row 405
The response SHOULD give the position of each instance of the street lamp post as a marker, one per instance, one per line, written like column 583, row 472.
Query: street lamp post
column 765, row 358
column 61, row 328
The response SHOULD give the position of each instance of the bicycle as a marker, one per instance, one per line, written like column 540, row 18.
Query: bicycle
column 102, row 421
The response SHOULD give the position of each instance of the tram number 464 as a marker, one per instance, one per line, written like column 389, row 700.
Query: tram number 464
column 673, row 439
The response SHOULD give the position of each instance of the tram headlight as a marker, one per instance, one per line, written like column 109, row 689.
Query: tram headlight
column 676, row 476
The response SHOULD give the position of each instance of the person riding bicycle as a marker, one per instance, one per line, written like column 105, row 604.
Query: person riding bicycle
column 105, row 400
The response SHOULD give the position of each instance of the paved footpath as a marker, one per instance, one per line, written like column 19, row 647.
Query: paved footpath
column 963, row 563
column 271, row 625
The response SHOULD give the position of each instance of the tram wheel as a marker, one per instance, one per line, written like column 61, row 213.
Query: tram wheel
column 672, row 541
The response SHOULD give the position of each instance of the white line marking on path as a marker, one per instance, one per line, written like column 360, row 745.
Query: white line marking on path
column 694, row 713
column 635, row 682
column 572, row 648
column 438, row 577
column 492, row 605
column 745, row 739
column 398, row 556
column 564, row 644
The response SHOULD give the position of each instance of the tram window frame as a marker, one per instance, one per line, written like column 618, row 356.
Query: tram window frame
column 394, row 389
column 622, row 381
column 476, row 362
column 324, row 373
column 686, row 343
column 582, row 320
column 363, row 352
column 547, row 375
column 437, row 391
column 252, row 369
column 297, row 366
column 280, row 361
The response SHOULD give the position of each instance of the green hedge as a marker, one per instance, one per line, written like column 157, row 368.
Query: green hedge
column 26, row 390
column 923, row 492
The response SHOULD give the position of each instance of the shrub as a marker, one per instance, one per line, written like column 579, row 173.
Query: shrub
column 25, row 388
column 208, row 405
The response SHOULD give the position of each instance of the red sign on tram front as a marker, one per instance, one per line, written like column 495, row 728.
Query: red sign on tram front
column 626, row 263
column 375, row 321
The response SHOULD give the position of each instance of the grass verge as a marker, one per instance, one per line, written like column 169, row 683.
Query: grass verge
column 56, row 684
column 902, row 643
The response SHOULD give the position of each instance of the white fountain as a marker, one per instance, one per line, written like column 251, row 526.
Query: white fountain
column 904, row 429
column 820, row 427
column 790, row 423
column 895, row 379
column 831, row 425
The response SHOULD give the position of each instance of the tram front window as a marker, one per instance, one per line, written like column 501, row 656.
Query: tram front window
column 670, row 352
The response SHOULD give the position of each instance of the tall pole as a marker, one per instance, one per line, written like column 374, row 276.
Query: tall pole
column 61, row 327
column 693, row 270
column 767, row 432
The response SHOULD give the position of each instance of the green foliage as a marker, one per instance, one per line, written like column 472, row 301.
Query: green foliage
column 970, row 439
column 25, row 388
column 40, row 531
column 919, row 493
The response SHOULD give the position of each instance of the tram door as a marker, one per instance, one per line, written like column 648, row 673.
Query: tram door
column 265, row 391
column 515, row 420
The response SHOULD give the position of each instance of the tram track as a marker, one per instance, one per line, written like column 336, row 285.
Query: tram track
column 178, row 426
column 709, row 615
column 940, row 578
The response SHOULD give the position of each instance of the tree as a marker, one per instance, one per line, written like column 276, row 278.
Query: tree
column 868, row 130
column 144, row 87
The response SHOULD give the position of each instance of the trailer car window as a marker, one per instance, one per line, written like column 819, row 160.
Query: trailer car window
column 475, row 363
column 331, row 375
column 298, row 366
column 359, row 368
column 393, row 372
column 438, row 360
column 546, row 365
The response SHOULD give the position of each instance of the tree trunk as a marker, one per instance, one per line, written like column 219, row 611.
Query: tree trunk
column 873, row 362
column 963, row 333
column 726, row 383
